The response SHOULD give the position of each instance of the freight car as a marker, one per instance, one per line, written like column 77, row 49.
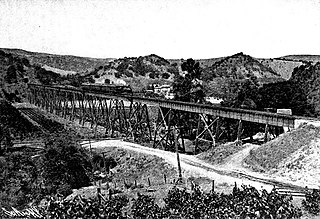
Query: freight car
column 107, row 89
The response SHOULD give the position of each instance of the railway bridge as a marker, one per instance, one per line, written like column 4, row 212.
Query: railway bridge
column 150, row 119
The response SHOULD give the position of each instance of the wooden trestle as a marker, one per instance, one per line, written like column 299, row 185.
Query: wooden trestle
column 128, row 116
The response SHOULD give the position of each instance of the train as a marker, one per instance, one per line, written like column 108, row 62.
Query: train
column 107, row 88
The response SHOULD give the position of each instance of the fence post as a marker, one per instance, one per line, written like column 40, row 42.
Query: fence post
column 212, row 188
column 99, row 191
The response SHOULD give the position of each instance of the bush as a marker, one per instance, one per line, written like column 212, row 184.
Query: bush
column 312, row 202
column 19, row 184
column 165, row 75
column 241, row 203
column 144, row 207
column 65, row 164
column 85, row 208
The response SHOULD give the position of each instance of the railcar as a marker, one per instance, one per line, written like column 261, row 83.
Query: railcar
column 107, row 88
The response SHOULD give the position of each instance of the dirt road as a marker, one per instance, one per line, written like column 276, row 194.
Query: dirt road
column 194, row 167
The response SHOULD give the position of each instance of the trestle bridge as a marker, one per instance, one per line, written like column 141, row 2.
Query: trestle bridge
column 150, row 119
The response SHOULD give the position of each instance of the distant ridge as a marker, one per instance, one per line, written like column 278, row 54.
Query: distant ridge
column 306, row 58
column 63, row 62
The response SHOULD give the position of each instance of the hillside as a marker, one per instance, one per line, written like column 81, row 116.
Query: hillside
column 302, row 58
column 241, row 66
column 308, row 78
column 236, row 79
column 16, row 71
column 293, row 156
column 73, row 64
column 13, row 124
column 139, row 72
column 282, row 67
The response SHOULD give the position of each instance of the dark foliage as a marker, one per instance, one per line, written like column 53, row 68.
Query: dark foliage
column 188, row 88
column 165, row 75
column 86, row 208
column 312, row 202
column 241, row 203
column 144, row 207
column 246, row 202
column 12, row 124
column 11, row 74
column 47, row 77
column 19, row 180
column 65, row 164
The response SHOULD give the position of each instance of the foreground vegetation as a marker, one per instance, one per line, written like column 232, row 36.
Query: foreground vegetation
column 27, row 176
column 245, row 202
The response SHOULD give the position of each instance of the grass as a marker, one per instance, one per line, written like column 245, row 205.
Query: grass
column 218, row 155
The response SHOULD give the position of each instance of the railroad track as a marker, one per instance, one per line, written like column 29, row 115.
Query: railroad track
column 280, row 187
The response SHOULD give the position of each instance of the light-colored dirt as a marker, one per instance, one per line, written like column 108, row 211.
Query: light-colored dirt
column 302, row 166
column 235, row 161
column 194, row 167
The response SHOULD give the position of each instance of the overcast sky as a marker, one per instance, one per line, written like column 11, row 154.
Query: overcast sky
column 169, row 28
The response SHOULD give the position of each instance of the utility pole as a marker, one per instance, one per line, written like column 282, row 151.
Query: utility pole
column 177, row 152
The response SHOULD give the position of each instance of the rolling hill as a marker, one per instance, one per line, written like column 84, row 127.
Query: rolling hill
column 241, row 66
column 281, row 66
column 139, row 72
column 73, row 64
column 224, row 77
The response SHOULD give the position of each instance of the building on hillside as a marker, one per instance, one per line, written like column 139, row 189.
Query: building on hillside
column 163, row 90
column 213, row 100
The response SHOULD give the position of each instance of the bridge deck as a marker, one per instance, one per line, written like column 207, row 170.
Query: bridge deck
column 215, row 110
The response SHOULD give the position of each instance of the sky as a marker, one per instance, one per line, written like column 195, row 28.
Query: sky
column 169, row 28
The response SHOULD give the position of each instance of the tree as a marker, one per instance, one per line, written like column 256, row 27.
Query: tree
column 66, row 165
column 11, row 74
column 188, row 87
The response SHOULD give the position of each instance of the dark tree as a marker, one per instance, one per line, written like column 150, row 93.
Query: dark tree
column 188, row 88
column 11, row 74
column 66, row 165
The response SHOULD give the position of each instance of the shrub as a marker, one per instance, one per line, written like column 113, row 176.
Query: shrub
column 165, row 75
column 312, row 202
column 19, row 184
column 85, row 208
column 65, row 164
column 144, row 207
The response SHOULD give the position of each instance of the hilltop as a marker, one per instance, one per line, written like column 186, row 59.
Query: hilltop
column 240, row 66
column 139, row 72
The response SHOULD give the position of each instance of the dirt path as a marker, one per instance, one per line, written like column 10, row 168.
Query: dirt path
column 235, row 161
column 194, row 167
